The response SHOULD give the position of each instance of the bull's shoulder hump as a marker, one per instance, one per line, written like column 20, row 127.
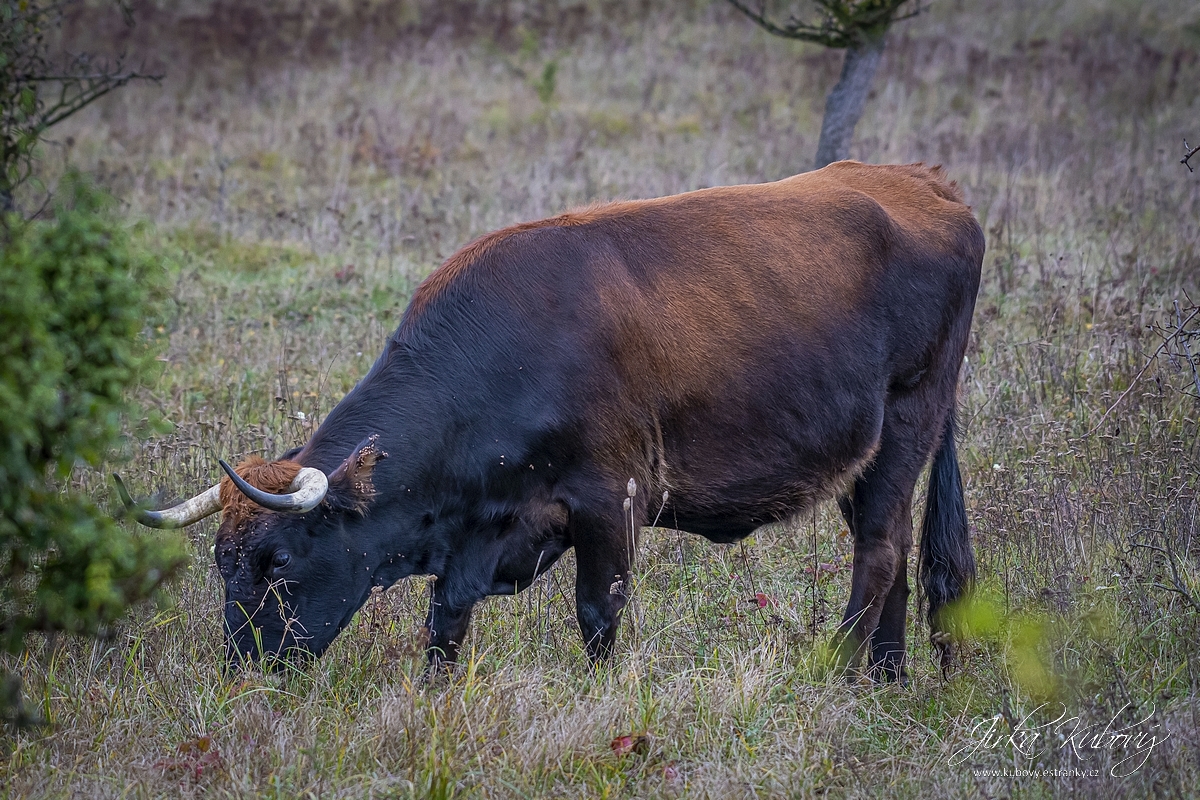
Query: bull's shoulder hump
column 887, row 182
column 918, row 198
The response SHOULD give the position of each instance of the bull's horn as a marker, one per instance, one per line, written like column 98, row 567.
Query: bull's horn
column 306, row 492
column 187, row 512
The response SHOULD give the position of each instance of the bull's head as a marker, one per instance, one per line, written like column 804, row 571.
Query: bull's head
column 284, row 551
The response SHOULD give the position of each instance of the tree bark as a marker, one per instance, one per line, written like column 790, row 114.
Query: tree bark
column 845, row 101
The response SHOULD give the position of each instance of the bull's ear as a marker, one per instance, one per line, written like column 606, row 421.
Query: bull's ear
column 351, row 485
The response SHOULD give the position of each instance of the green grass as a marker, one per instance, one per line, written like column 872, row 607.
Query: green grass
column 263, row 179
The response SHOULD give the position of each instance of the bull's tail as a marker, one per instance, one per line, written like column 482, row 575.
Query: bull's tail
column 947, row 562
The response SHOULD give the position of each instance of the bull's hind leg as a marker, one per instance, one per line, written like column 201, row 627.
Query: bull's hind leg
column 879, row 514
column 887, row 644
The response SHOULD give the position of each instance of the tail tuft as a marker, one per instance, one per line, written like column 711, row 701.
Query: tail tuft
column 947, row 562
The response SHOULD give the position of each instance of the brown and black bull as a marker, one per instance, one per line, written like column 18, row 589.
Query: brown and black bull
column 746, row 350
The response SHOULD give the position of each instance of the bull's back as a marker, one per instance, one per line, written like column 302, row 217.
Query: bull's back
column 734, row 345
column 691, row 292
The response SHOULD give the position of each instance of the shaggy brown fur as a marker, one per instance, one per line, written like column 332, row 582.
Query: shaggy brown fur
column 270, row 476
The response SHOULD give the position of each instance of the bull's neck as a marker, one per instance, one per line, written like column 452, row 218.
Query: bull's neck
column 384, row 403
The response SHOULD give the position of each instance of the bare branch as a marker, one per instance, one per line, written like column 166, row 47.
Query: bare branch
column 1191, row 151
column 30, row 66
column 1183, row 340
column 1178, row 585
column 93, row 92
column 99, row 76
column 1179, row 331
column 793, row 28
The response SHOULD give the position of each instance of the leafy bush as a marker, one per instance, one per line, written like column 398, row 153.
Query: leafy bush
column 75, row 297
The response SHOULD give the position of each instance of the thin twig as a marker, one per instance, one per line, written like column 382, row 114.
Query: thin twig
column 1183, row 340
column 1180, row 585
column 1179, row 591
column 793, row 29
column 1141, row 372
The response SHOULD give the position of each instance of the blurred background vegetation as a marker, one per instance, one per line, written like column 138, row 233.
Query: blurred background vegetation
column 76, row 302
column 303, row 165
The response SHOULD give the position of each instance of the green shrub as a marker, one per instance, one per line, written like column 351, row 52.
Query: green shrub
column 75, row 298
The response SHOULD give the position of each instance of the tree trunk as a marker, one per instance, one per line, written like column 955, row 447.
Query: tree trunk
column 844, row 104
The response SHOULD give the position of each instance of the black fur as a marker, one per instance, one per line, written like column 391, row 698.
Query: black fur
column 947, row 562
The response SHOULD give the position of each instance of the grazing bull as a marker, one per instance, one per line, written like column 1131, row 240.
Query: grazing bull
column 746, row 350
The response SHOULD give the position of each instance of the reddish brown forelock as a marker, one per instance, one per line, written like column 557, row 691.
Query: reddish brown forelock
column 270, row 476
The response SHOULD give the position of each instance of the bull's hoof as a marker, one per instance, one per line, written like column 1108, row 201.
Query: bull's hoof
column 437, row 668
column 943, row 643
column 890, row 673
column 846, row 654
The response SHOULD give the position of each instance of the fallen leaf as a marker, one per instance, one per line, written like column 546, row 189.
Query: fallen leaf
column 201, row 745
column 631, row 743
column 194, row 765
column 197, row 756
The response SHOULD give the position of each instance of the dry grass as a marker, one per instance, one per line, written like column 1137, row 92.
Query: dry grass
column 300, row 194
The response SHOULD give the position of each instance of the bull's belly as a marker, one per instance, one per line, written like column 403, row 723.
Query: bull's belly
column 731, row 513
column 722, row 531
column 727, row 486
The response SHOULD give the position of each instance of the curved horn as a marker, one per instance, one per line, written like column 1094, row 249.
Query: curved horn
column 307, row 491
column 187, row 512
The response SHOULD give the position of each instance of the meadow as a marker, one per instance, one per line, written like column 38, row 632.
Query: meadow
column 303, row 166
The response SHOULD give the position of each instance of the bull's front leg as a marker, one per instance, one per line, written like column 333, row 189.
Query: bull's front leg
column 603, row 553
column 447, row 623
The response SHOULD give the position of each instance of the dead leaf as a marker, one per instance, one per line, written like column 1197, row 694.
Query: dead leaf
column 201, row 745
column 631, row 743
column 198, row 756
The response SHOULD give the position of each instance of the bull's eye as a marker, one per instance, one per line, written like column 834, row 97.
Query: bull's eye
column 282, row 559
